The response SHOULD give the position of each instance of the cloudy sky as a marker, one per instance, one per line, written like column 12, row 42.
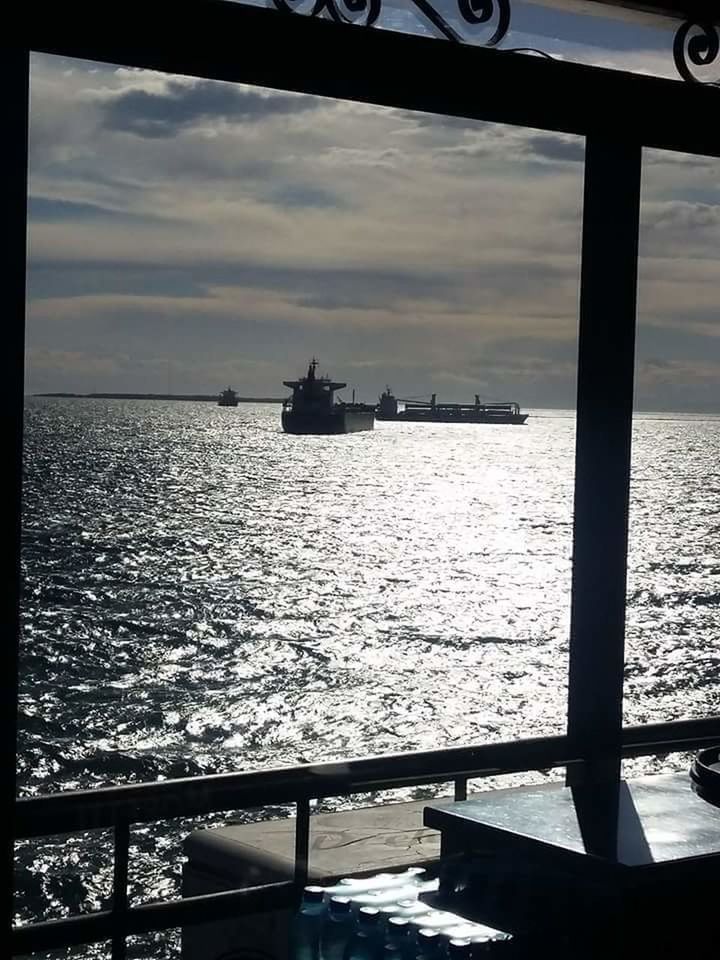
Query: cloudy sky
column 188, row 234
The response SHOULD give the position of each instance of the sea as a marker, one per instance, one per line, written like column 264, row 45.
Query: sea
column 203, row 593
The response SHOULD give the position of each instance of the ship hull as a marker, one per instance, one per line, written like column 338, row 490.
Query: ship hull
column 349, row 421
column 227, row 403
column 421, row 416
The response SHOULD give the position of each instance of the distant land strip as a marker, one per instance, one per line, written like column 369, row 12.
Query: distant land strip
column 157, row 396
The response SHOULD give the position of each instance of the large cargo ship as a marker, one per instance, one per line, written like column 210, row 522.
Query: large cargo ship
column 228, row 398
column 312, row 407
column 421, row 411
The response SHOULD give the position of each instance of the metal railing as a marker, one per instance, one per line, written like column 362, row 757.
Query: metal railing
column 119, row 807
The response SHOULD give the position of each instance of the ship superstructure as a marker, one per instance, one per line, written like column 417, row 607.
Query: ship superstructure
column 312, row 407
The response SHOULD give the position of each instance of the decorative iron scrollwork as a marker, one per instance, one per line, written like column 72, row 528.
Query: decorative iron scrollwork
column 482, row 11
column 366, row 12
column 696, row 45
column 363, row 12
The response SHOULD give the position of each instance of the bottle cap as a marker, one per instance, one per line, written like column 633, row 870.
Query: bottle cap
column 459, row 948
column 369, row 914
column 399, row 924
column 340, row 904
column 427, row 934
column 313, row 894
column 388, row 909
column 441, row 915
column 464, row 931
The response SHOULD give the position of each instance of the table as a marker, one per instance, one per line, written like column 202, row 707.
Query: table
column 633, row 863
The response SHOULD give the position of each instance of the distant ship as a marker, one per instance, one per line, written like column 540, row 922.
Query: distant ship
column 228, row 398
column 312, row 408
column 416, row 411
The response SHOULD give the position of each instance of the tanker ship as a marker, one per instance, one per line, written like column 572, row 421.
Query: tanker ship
column 313, row 409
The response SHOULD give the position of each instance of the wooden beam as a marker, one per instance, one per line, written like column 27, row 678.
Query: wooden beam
column 228, row 41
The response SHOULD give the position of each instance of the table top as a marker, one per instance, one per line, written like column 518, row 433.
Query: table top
column 633, row 823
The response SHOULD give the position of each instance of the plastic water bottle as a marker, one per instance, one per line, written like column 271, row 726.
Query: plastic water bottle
column 349, row 886
column 386, row 911
column 429, row 944
column 337, row 929
column 391, row 952
column 435, row 920
column 306, row 925
column 465, row 930
column 410, row 891
column 411, row 908
column 400, row 935
column 366, row 941
column 382, row 898
column 459, row 949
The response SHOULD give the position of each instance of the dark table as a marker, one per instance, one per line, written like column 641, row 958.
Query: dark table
column 632, row 867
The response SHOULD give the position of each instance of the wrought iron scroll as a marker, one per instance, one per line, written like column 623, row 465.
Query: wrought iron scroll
column 484, row 13
column 697, row 45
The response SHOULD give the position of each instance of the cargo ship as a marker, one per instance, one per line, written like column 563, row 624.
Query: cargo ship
column 228, row 398
column 420, row 411
column 313, row 409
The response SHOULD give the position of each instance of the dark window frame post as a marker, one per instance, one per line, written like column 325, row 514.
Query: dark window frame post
column 606, row 362
column 15, row 84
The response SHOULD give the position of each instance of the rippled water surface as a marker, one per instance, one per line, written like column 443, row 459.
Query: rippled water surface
column 204, row 593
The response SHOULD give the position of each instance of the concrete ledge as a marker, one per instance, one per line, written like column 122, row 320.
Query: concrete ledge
column 349, row 842
column 343, row 844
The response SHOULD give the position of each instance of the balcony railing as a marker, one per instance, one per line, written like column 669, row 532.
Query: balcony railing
column 119, row 807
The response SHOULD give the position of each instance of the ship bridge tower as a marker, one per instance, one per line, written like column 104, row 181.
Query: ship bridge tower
column 313, row 394
column 388, row 406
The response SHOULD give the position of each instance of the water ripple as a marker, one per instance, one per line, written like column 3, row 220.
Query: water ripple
column 203, row 593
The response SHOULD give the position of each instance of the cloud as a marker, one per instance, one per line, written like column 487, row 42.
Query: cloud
column 305, row 195
column 681, row 214
column 243, row 231
column 55, row 209
column 181, row 104
column 556, row 147
column 322, row 285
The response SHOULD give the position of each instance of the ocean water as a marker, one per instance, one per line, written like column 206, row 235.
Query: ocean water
column 203, row 593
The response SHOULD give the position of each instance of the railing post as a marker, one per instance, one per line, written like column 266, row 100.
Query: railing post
column 14, row 82
column 120, row 887
column 606, row 356
column 302, row 842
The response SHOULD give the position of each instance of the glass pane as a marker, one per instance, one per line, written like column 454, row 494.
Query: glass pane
column 206, row 593
column 674, row 567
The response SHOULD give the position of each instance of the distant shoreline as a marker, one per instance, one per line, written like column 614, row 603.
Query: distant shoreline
column 546, row 412
column 199, row 397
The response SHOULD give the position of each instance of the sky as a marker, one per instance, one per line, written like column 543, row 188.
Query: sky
column 187, row 234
